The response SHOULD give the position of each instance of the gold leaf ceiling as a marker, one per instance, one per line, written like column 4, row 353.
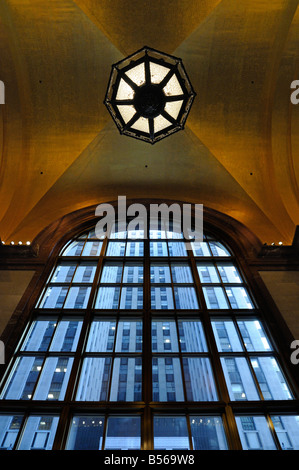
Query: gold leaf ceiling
column 60, row 150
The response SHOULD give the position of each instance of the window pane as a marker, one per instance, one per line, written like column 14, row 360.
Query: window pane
column 208, row 433
column 9, row 428
column 229, row 273
column 164, row 336
column 66, row 335
column 200, row 249
column 255, row 433
column 185, row 298
column 39, row 433
column 126, row 382
column 86, row 433
column 94, row 379
column 74, row 248
column 159, row 234
column 270, row 378
column 54, row 379
column 192, row 338
column 123, row 433
column 160, row 273
column 64, row 272
column 133, row 273
column 54, row 297
column 199, row 381
column 207, row 273
column 161, row 298
column 101, row 336
column 116, row 248
column 171, row 433
column 226, row 336
column 77, row 297
column 107, row 298
column 167, row 379
column 23, row 378
column 134, row 249
column 40, row 334
column 117, row 233
column 177, row 249
column 239, row 297
column 254, row 336
column 239, row 380
column 287, row 430
column 181, row 273
column 131, row 298
column 85, row 273
column 129, row 336
column 218, row 249
column 92, row 248
column 215, row 298
column 112, row 273
column 158, row 249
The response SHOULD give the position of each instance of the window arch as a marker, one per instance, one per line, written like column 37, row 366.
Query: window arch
column 138, row 343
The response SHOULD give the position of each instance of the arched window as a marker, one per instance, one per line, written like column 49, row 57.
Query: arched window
column 138, row 343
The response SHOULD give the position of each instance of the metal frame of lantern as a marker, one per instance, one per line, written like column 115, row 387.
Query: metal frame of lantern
column 149, row 95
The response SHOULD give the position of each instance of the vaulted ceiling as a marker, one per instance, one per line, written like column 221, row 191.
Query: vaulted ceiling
column 60, row 150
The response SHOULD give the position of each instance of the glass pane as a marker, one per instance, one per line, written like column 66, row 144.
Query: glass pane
column 117, row 233
column 116, row 249
column 66, row 335
column 161, row 298
column 185, row 298
column 85, row 273
column 92, row 248
column 254, row 336
column 112, row 273
column 218, row 249
column 134, row 249
column 101, row 336
column 9, row 428
column 160, row 273
column 207, row 273
column 54, row 379
column 270, row 378
column 131, row 298
column 157, row 234
column 167, row 379
column 74, row 248
column 181, row 273
column 215, row 298
column 239, row 297
column 107, row 298
column 208, row 433
column 255, row 433
column 23, row 378
column 239, row 380
column 54, row 297
column 123, row 433
column 158, row 249
column 192, row 338
column 133, row 273
column 200, row 249
column 77, row 297
column 287, row 430
column 177, row 249
column 226, row 336
column 171, row 433
column 64, row 272
column 129, row 336
column 229, row 273
column 126, row 384
column 199, row 380
column 86, row 433
column 94, row 379
column 40, row 334
column 164, row 336
column 39, row 433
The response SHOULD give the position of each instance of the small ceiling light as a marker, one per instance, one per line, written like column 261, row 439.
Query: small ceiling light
column 27, row 243
column 12, row 243
column 149, row 95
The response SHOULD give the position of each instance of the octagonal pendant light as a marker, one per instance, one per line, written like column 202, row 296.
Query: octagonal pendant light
column 149, row 95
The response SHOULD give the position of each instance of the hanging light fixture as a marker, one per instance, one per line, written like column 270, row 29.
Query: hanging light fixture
column 149, row 95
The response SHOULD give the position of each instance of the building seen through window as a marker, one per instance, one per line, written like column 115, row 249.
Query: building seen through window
column 137, row 336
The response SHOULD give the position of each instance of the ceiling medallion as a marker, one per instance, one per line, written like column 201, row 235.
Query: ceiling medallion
column 149, row 95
